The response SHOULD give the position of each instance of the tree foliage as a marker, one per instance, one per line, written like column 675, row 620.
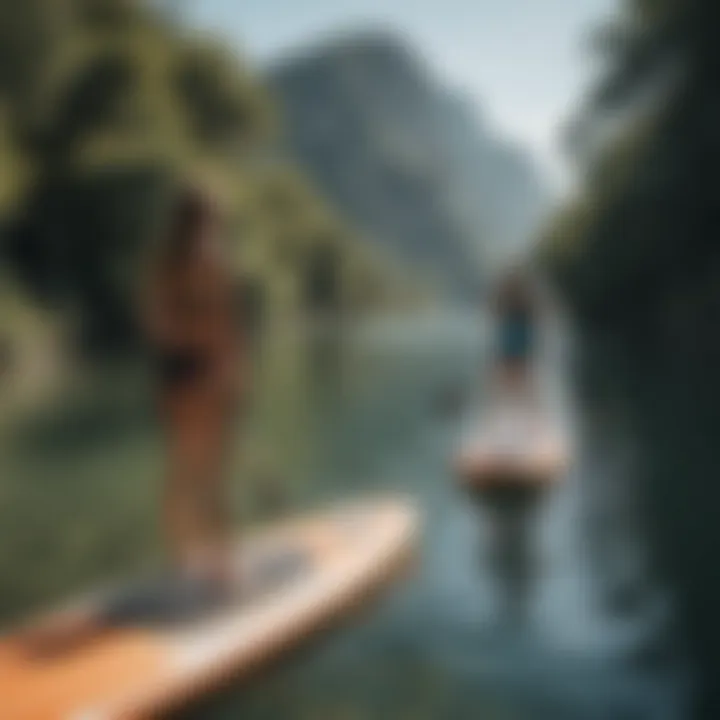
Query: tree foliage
column 104, row 104
column 654, row 225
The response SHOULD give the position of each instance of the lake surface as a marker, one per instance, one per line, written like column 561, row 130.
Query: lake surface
column 376, row 414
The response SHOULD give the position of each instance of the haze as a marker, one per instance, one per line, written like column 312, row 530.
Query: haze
column 525, row 62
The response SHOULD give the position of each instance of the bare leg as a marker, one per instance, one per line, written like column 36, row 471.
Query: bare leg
column 197, row 519
column 213, row 501
column 180, row 514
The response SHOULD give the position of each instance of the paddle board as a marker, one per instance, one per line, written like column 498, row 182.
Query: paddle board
column 301, row 575
column 512, row 448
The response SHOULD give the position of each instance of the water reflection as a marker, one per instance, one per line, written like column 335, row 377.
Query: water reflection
column 443, row 646
column 510, row 549
column 432, row 650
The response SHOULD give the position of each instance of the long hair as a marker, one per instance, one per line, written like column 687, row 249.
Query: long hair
column 193, row 216
column 515, row 291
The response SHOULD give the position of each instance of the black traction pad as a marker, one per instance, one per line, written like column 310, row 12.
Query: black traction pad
column 172, row 599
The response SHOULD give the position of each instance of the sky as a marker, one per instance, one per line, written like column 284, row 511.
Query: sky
column 524, row 62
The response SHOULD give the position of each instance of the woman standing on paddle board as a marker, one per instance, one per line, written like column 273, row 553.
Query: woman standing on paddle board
column 193, row 335
column 192, row 331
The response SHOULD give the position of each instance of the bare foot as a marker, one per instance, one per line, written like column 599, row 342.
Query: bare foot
column 58, row 633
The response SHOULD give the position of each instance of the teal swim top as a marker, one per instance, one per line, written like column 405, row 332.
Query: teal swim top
column 517, row 337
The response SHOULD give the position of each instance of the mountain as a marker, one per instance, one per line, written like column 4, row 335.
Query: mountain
column 493, row 186
column 406, row 159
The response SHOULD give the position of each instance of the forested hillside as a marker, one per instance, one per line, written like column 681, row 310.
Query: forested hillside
column 104, row 105
column 637, row 258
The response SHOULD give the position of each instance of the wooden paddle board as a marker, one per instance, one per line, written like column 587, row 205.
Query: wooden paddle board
column 512, row 451
column 324, row 566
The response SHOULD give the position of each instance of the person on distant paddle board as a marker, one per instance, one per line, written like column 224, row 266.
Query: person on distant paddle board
column 193, row 332
column 515, row 309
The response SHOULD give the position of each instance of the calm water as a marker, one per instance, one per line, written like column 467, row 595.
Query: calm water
column 79, row 506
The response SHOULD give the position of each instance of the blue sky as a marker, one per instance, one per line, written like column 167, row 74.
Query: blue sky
column 523, row 61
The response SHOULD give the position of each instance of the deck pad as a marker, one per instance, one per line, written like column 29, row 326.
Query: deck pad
column 169, row 600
